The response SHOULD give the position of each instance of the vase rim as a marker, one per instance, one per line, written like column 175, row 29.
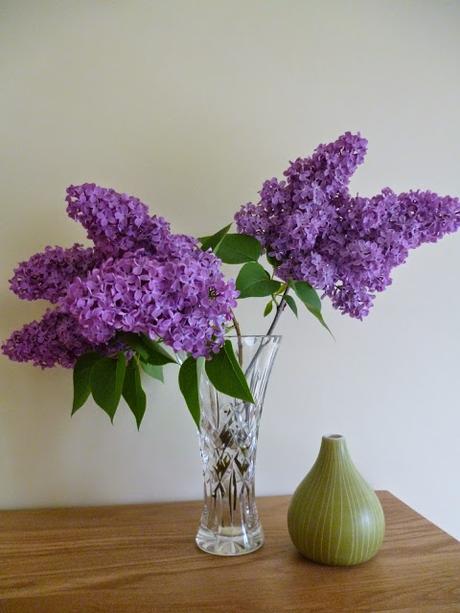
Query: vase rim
column 253, row 336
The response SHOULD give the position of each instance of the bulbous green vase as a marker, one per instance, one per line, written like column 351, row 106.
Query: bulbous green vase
column 334, row 516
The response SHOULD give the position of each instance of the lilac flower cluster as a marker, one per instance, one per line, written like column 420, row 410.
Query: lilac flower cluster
column 116, row 223
column 47, row 274
column 139, row 277
column 55, row 339
column 346, row 246
column 184, row 300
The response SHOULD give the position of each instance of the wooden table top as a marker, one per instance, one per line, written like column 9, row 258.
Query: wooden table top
column 143, row 558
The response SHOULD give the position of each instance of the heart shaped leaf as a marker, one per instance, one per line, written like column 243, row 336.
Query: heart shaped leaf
column 254, row 281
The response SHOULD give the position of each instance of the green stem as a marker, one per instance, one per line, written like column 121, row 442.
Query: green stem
column 240, row 341
column 279, row 310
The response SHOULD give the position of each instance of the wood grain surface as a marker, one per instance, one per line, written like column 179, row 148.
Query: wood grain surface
column 143, row 558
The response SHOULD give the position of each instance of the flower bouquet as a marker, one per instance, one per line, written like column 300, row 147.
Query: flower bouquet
column 142, row 298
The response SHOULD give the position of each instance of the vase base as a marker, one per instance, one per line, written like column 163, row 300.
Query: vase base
column 229, row 541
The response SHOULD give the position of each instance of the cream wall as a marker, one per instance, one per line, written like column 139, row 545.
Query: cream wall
column 190, row 105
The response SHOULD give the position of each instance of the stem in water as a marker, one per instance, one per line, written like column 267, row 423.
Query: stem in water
column 240, row 342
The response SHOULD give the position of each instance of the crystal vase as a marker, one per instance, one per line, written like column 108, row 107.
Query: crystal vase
column 228, row 434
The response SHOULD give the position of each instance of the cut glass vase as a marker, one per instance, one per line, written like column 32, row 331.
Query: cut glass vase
column 229, row 429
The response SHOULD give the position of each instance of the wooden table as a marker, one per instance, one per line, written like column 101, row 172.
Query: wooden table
column 143, row 558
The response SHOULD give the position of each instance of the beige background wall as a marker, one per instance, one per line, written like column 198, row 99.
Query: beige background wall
column 190, row 105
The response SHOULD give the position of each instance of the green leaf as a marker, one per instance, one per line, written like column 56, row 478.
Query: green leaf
column 281, row 289
column 254, row 280
column 133, row 392
column 211, row 242
column 188, row 384
column 154, row 371
column 226, row 375
column 268, row 308
column 81, row 379
column 307, row 294
column 291, row 304
column 310, row 298
column 273, row 261
column 238, row 249
column 156, row 353
column 150, row 351
column 107, row 376
column 134, row 341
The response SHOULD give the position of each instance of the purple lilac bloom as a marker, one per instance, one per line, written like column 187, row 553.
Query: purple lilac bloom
column 46, row 275
column 185, row 301
column 138, row 278
column 54, row 340
column 346, row 246
column 296, row 211
column 117, row 223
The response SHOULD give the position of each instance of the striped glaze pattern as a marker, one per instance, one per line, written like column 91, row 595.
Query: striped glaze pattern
column 334, row 516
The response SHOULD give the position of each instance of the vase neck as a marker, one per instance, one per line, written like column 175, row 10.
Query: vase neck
column 255, row 355
column 334, row 447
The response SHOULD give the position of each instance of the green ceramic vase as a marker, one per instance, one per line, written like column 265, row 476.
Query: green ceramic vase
column 334, row 516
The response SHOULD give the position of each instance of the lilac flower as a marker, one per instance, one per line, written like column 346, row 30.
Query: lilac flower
column 138, row 278
column 327, row 172
column 53, row 340
column 297, row 211
column 184, row 301
column 117, row 223
column 47, row 274
column 346, row 246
